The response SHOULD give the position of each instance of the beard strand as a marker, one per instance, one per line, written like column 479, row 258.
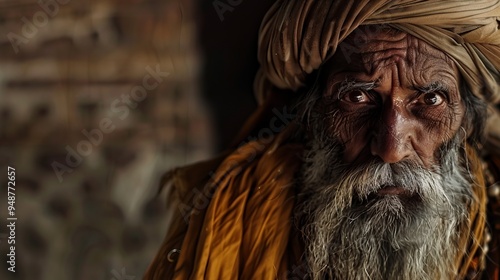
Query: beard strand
column 351, row 233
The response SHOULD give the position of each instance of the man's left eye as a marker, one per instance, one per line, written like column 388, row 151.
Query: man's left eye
column 431, row 99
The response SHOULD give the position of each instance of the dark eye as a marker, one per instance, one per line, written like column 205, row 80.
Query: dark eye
column 431, row 99
column 356, row 97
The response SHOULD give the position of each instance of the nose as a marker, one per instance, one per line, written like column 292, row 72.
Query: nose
column 392, row 137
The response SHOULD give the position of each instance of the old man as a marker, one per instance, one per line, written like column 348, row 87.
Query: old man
column 389, row 168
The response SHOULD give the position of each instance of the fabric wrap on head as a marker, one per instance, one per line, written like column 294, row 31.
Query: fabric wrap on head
column 298, row 36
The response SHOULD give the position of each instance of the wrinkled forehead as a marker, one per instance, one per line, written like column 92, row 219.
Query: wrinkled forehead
column 372, row 46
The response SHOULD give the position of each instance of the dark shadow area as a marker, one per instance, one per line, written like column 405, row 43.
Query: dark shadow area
column 228, row 36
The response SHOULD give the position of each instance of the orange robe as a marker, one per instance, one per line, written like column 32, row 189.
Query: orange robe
column 237, row 223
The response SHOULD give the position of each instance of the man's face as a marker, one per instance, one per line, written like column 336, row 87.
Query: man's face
column 385, row 189
column 395, row 97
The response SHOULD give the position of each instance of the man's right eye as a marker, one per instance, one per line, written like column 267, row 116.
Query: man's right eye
column 357, row 97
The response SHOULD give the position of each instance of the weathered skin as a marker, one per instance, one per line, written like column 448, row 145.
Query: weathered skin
column 395, row 120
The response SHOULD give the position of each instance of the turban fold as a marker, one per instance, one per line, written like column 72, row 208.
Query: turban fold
column 298, row 36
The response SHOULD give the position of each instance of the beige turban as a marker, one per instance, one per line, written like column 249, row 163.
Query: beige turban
column 298, row 36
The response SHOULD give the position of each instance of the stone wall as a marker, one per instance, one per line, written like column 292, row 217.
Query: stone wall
column 97, row 100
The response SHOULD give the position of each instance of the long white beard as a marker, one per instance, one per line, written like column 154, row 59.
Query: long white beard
column 351, row 233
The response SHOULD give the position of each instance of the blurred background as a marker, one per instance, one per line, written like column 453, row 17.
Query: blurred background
column 97, row 100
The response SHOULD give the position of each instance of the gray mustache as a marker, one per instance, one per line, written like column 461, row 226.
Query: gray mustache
column 367, row 179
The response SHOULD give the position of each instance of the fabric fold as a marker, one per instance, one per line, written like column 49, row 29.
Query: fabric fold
column 244, row 230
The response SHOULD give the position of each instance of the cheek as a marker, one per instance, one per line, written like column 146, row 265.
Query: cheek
column 430, row 132
column 351, row 128
column 446, row 129
column 443, row 124
column 457, row 116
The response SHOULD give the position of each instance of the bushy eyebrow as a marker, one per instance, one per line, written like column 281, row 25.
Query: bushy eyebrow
column 351, row 84
column 435, row 86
